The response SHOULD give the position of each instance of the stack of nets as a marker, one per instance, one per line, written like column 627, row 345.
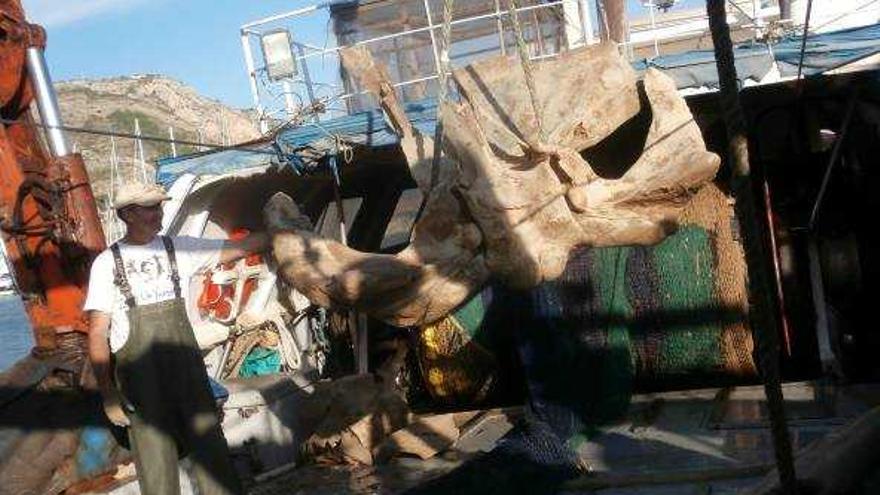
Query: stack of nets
column 619, row 319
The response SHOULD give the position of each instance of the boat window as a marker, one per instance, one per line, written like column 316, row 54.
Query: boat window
column 402, row 221
column 328, row 223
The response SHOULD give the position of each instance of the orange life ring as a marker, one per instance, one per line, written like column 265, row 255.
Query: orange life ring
column 218, row 301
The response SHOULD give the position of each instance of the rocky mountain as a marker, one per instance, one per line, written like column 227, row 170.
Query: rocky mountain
column 157, row 104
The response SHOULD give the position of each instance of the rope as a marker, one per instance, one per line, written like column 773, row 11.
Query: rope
column 241, row 346
column 446, row 40
column 442, row 94
column 288, row 347
column 442, row 90
column 762, row 317
column 527, row 67
column 344, row 149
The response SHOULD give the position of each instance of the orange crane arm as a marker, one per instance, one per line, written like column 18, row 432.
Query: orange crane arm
column 48, row 217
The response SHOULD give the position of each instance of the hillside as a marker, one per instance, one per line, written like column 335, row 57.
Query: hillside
column 157, row 103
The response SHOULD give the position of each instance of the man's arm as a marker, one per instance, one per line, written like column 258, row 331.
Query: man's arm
column 99, row 350
column 255, row 243
column 99, row 355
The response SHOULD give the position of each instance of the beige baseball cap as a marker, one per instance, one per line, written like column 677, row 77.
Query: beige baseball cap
column 139, row 193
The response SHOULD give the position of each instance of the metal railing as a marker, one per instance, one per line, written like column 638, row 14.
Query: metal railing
column 319, row 86
column 287, row 99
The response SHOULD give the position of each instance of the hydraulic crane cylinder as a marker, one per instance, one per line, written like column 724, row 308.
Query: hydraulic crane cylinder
column 47, row 103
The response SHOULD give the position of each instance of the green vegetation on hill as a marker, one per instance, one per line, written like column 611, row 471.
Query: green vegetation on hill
column 123, row 120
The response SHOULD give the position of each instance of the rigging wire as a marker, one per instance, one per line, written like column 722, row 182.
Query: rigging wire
column 98, row 132
column 743, row 12
column 845, row 14
column 442, row 89
column 804, row 44
column 245, row 147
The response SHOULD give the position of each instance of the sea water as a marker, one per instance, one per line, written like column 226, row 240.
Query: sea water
column 16, row 339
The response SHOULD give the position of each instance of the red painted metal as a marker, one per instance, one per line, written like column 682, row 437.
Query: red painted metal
column 48, row 215
column 777, row 270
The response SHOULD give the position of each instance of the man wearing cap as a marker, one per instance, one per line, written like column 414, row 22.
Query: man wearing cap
column 135, row 293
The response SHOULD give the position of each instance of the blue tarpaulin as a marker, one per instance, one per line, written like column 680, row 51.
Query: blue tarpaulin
column 689, row 69
column 827, row 51
column 696, row 68
column 366, row 128
column 822, row 52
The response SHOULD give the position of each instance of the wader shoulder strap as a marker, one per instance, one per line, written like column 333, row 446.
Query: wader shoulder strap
column 172, row 260
column 119, row 277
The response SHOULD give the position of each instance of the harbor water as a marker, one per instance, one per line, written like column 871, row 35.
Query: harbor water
column 16, row 338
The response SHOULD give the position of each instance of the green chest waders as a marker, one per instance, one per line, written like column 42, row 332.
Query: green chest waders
column 162, row 378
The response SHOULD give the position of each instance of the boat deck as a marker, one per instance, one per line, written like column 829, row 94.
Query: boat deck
column 700, row 441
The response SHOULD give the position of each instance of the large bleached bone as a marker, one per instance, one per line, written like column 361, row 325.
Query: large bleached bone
column 442, row 266
column 509, row 202
column 584, row 95
column 534, row 205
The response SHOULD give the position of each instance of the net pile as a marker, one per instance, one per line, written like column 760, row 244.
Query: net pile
column 619, row 319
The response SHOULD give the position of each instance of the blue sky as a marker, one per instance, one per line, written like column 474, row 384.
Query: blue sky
column 195, row 41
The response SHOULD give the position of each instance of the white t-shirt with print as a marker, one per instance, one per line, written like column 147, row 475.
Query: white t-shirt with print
column 149, row 275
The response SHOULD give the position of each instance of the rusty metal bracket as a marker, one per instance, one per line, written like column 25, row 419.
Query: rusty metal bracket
column 48, row 198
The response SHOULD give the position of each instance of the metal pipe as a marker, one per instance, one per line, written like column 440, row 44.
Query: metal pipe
column 831, row 161
column 586, row 22
column 252, row 76
column 47, row 103
column 307, row 79
column 286, row 15
column 437, row 65
column 823, row 330
column 574, row 30
column 777, row 270
column 654, row 29
column 289, row 104
column 500, row 24
column 385, row 37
